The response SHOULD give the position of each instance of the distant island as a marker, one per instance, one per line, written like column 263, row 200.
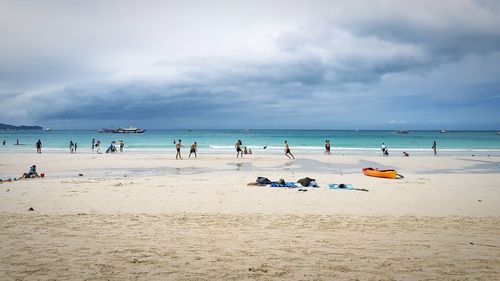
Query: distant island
column 11, row 127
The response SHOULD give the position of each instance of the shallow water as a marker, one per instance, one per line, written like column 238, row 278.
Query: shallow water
column 220, row 141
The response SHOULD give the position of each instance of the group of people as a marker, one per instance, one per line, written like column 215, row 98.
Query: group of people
column 111, row 148
column 385, row 151
column 240, row 152
column 178, row 146
column 194, row 148
column 72, row 146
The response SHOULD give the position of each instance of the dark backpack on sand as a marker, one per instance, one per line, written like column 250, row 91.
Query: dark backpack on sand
column 263, row 181
column 305, row 181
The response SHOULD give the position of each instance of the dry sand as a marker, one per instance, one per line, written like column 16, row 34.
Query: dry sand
column 150, row 217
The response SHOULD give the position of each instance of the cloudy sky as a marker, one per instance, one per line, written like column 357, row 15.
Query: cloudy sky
column 251, row 64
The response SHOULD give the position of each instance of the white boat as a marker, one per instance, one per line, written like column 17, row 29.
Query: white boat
column 48, row 129
column 129, row 130
column 443, row 132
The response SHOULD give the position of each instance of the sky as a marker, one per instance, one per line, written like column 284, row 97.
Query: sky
column 251, row 64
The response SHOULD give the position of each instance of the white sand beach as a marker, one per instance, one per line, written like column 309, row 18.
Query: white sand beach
column 150, row 217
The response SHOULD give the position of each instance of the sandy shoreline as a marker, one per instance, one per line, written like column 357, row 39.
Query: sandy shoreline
column 247, row 247
column 148, row 216
column 433, row 186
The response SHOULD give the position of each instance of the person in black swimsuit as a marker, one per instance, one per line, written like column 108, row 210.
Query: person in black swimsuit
column 287, row 151
column 178, row 147
column 194, row 147
column 238, row 149
column 39, row 146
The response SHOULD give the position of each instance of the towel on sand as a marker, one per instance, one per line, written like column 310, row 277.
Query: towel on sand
column 281, row 184
column 339, row 186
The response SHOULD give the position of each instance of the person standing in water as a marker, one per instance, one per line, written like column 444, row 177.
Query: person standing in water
column 327, row 147
column 238, row 149
column 39, row 146
column 287, row 151
column 383, row 148
column 76, row 146
column 71, row 147
column 434, row 147
column 122, row 144
column 3, row 142
column 93, row 144
column 178, row 148
column 194, row 147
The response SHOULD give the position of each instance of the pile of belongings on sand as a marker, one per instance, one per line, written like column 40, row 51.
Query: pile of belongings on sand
column 301, row 183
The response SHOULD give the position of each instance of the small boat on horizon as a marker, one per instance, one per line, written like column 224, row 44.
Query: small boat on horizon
column 48, row 129
column 443, row 132
column 129, row 130
column 402, row 132
column 105, row 130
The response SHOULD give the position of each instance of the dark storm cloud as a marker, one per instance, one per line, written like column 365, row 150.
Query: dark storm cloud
column 343, row 63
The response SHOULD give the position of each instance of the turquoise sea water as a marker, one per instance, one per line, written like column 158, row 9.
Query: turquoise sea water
column 307, row 141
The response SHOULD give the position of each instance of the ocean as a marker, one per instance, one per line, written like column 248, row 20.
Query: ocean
column 300, row 141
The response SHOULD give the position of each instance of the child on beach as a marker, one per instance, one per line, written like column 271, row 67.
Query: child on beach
column 238, row 149
column 287, row 151
column 122, row 144
column 193, row 150
column 31, row 174
column 178, row 148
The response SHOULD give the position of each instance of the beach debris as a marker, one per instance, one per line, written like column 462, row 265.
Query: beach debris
column 252, row 269
column 486, row 245
column 480, row 200
column 81, row 175
column 31, row 209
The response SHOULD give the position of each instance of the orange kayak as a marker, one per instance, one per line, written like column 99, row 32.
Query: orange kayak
column 373, row 172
